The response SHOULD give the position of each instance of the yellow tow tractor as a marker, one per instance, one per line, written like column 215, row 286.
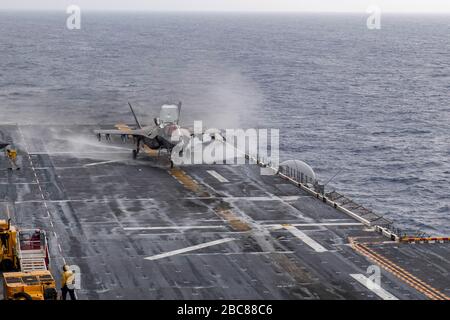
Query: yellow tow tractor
column 25, row 254
column 8, row 234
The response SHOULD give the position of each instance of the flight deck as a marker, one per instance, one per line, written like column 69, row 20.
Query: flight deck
column 138, row 229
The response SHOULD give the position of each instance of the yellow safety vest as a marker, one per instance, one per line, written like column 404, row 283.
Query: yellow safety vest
column 67, row 278
column 12, row 154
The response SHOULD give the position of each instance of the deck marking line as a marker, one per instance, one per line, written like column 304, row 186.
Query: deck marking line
column 172, row 228
column 319, row 224
column 99, row 163
column 383, row 294
column 39, row 185
column 399, row 272
column 305, row 238
column 87, row 152
column 218, row 176
column 188, row 249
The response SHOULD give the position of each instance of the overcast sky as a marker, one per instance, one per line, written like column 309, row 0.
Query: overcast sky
column 407, row 6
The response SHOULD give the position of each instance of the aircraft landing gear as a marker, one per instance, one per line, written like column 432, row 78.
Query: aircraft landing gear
column 171, row 164
column 136, row 151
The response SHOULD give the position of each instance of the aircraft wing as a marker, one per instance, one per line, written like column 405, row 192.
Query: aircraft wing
column 123, row 126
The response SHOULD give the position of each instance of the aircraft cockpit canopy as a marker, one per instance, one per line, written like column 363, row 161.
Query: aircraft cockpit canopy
column 169, row 113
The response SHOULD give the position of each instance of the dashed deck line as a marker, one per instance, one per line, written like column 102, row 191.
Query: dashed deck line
column 40, row 190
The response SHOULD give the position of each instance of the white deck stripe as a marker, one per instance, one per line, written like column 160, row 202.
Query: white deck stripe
column 318, row 224
column 277, row 226
column 188, row 249
column 217, row 176
column 369, row 284
column 102, row 162
column 16, row 183
column 306, row 239
column 152, row 199
column 172, row 228
column 76, row 152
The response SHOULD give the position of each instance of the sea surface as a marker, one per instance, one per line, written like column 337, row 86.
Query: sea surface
column 373, row 105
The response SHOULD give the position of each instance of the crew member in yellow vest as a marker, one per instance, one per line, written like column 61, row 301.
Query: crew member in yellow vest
column 67, row 283
column 11, row 154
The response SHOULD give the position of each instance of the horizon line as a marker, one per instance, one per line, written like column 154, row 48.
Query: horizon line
column 223, row 11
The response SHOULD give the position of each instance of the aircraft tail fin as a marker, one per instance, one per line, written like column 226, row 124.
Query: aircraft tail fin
column 179, row 111
column 134, row 115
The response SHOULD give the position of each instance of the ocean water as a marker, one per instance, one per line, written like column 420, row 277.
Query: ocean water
column 372, row 103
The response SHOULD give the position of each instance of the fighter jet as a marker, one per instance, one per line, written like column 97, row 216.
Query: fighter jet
column 164, row 134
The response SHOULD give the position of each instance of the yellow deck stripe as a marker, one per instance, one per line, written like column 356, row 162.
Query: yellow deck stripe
column 186, row 180
column 235, row 222
column 399, row 272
